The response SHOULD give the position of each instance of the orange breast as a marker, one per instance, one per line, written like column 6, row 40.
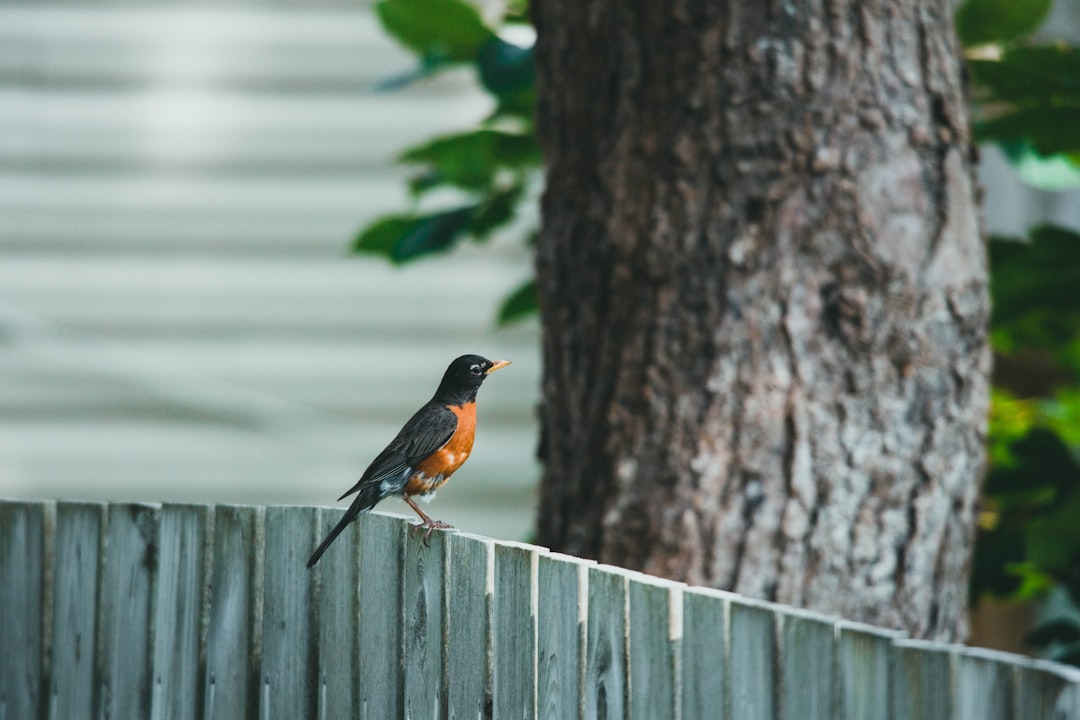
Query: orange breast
column 433, row 472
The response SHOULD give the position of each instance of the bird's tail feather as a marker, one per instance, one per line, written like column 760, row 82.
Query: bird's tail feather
column 362, row 505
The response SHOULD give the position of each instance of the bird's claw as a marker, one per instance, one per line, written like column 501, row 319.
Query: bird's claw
column 430, row 527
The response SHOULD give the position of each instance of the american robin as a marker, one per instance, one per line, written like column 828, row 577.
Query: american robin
column 427, row 451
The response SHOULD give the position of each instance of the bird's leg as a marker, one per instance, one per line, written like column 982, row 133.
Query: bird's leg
column 425, row 521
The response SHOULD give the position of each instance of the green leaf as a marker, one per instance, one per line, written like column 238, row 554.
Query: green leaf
column 987, row 21
column 470, row 160
column 380, row 237
column 437, row 30
column 433, row 233
column 1034, row 288
column 505, row 68
column 1050, row 131
column 1032, row 76
column 1054, row 173
column 519, row 305
column 401, row 238
column 495, row 211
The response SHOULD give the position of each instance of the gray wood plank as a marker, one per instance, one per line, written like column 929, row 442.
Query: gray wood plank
column 921, row 680
column 605, row 686
column 424, row 601
column 289, row 635
column 126, row 611
column 705, row 673
column 382, row 615
column 752, row 660
column 983, row 688
column 1047, row 691
column 562, row 585
column 865, row 662
column 181, row 591
column 76, row 569
column 22, row 592
column 339, row 626
column 470, row 590
column 234, row 624
column 808, row 665
column 654, row 647
column 514, row 636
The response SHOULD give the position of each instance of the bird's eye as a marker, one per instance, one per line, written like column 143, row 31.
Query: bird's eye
column 476, row 370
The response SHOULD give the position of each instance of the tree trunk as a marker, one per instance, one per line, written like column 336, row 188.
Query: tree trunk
column 764, row 300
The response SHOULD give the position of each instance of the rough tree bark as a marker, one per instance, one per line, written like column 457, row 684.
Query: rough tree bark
column 764, row 300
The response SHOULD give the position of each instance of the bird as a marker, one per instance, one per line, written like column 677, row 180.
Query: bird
column 431, row 446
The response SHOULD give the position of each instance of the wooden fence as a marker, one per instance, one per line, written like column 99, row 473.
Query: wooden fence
column 191, row 611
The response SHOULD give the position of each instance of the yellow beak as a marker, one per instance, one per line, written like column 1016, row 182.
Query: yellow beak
column 496, row 365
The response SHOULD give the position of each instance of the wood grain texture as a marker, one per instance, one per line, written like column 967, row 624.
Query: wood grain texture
column 562, row 610
column 178, row 615
column 339, row 620
column 605, row 687
column 922, row 680
column 865, row 667
column 125, row 611
column 22, row 592
column 983, row 684
column 705, row 671
column 289, row 668
column 514, row 634
column 1047, row 691
column 469, row 622
column 76, row 577
column 425, row 629
column 382, row 615
column 752, row 665
column 808, row 665
column 654, row 630
column 234, row 624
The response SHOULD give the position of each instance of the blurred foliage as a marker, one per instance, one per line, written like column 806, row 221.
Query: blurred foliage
column 469, row 184
column 1026, row 99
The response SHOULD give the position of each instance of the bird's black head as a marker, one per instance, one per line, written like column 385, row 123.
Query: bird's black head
column 464, row 377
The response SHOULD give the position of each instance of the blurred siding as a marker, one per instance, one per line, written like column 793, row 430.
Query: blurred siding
column 179, row 318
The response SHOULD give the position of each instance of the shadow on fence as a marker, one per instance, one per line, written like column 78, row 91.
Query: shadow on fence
column 192, row 611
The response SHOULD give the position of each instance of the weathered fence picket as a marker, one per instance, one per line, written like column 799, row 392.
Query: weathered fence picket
column 753, row 642
column 234, row 622
column 605, row 685
column 705, row 694
column 382, row 615
column 865, row 667
column 208, row 613
column 921, row 683
column 1047, row 690
column 654, row 613
column 514, row 633
column 808, row 661
column 178, row 616
column 425, row 602
column 562, row 587
column 77, row 549
column 470, row 589
column 339, row 607
column 126, row 611
column 289, row 637
column 22, row 592
column 984, row 686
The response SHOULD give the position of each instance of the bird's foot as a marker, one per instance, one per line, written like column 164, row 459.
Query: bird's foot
column 430, row 526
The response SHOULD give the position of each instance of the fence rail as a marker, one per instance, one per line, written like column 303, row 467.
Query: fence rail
column 193, row 611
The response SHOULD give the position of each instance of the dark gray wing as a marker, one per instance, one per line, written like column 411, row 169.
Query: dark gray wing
column 428, row 430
